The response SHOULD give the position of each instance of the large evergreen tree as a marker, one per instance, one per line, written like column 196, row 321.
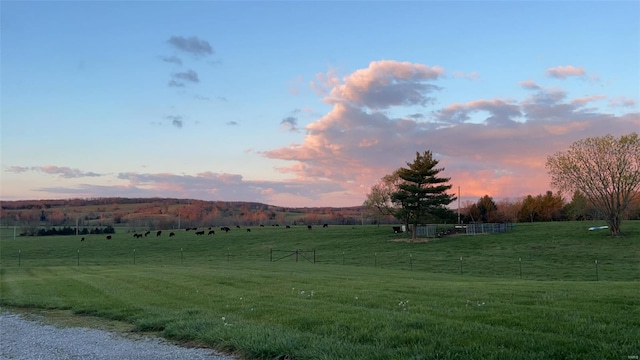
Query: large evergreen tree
column 421, row 194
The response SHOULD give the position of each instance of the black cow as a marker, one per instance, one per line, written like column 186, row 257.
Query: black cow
column 211, row 232
column 309, row 227
column 200, row 232
column 171, row 234
column 82, row 239
column 159, row 233
column 108, row 237
column 147, row 233
column 288, row 227
column 248, row 230
column 325, row 225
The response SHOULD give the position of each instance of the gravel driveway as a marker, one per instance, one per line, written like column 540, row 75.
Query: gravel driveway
column 25, row 339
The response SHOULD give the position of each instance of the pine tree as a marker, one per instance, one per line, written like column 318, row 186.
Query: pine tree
column 422, row 194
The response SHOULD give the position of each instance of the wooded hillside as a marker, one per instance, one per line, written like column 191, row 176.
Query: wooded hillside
column 164, row 213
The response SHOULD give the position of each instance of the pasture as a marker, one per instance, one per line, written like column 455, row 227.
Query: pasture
column 534, row 292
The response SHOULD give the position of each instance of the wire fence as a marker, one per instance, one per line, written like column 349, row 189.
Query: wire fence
column 523, row 267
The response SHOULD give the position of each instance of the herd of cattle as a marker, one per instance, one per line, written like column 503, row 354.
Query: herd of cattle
column 209, row 231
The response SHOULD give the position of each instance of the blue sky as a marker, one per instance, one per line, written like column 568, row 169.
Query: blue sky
column 305, row 103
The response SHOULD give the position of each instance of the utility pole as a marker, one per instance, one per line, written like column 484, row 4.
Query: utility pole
column 458, row 204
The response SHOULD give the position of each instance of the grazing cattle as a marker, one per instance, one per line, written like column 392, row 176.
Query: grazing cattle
column 137, row 236
column 108, row 237
column 309, row 227
column 288, row 227
column 238, row 226
column 248, row 230
column 261, row 225
column 171, row 234
column 277, row 224
column 325, row 225
column 159, row 233
column 82, row 239
column 200, row 232
column 225, row 229
column 211, row 232
column 147, row 233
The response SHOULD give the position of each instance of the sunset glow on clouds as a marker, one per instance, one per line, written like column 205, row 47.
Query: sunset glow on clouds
column 201, row 116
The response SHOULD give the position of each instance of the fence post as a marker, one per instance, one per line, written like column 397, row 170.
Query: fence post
column 597, row 278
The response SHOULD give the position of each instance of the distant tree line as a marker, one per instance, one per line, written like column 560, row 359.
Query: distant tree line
column 543, row 207
column 67, row 230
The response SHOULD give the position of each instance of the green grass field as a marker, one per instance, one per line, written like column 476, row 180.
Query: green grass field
column 368, row 296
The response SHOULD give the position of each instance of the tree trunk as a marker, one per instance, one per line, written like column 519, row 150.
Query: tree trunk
column 614, row 225
column 414, row 231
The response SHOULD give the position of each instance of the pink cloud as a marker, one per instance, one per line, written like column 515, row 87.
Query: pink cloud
column 588, row 99
column 62, row 171
column 496, row 146
column 529, row 84
column 387, row 83
column 622, row 102
column 562, row 72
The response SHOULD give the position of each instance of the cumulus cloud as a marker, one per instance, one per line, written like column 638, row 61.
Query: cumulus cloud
column 491, row 146
column 387, row 83
column 562, row 72
column 61, row 171
column 192, row 45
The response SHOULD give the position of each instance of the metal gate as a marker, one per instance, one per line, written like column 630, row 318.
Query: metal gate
column 298, row 253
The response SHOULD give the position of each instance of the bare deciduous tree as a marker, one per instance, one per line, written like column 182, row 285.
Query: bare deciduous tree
column 605, row 169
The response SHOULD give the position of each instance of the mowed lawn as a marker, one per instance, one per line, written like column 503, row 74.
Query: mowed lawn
column 368, row 295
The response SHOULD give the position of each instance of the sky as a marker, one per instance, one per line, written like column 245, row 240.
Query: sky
column 302, row 103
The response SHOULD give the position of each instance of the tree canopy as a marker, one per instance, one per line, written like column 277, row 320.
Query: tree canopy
column 605, row 169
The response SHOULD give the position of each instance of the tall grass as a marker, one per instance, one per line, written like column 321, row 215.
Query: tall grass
column 225, row 292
